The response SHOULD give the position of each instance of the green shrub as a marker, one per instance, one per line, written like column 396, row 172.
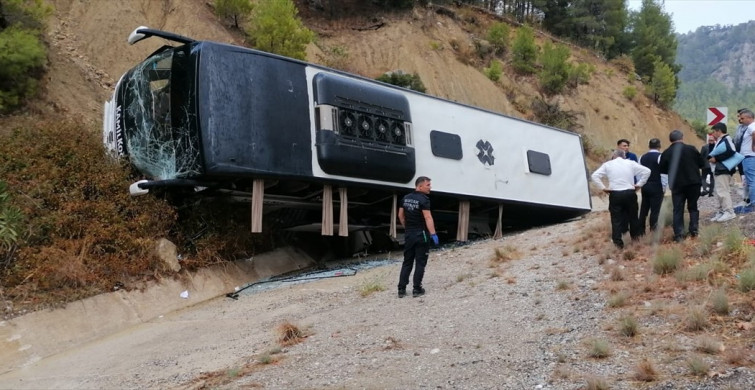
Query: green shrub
column 524, row 51
column 580, row 74
column 235, row 10
column 275, row 27
column 498, row 36
column 405, row 80
column 628, row 326
column 599, row 348
column 494, row 71
column 555, row 70
column 747, row 280
column 667, row 261
column 22, row 56
column 708, row 237
column 630, row 92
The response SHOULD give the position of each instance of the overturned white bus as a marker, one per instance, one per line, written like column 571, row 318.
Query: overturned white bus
column 214, row 119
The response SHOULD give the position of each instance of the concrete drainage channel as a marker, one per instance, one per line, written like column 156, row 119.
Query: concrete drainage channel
column 305, row 277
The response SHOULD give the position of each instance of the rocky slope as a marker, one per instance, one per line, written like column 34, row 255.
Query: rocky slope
column 89, row 52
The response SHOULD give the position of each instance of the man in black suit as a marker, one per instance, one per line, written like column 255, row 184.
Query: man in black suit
column 652, row 191
column 682, row 163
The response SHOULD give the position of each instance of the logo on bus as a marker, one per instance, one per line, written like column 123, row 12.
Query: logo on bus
column 485, row 152
column 118, row 131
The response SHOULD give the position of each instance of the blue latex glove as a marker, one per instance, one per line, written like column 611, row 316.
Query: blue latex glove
column 435, row 238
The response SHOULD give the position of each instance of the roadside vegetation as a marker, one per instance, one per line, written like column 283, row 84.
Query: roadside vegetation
column 696, row 290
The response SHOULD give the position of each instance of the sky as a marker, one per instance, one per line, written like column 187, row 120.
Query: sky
column 688, row 15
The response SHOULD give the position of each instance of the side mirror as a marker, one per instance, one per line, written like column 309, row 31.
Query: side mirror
column 134, row 189
column 136, row 35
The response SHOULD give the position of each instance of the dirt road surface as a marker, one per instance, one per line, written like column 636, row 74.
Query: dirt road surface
column 484, row 323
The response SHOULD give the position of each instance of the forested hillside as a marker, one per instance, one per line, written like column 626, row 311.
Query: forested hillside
column 717, row 69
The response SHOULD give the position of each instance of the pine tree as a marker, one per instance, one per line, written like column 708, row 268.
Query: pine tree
column 555, row 71
column 663, row 84
column 653, row 39
column 524, row 50
column 236, row 10
column 276, row 28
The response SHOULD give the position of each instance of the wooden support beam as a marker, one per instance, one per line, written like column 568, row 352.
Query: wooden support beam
column 258, row 194
column 327, row 210
column 394, row 216
column 499, row 225
column 462, row 232
column 343, row 221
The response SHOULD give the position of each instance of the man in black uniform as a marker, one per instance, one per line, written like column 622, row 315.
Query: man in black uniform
column 419, row 230
column 652, row 191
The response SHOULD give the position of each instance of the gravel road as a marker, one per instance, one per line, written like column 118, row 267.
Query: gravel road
column 485, row 323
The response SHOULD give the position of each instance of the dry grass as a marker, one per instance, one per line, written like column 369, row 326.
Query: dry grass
column 667, row 261
column 596, row 383
column 737, row 356
column 645, row 371
column 617, row 274
column 720, row 302
column 617, row 300
column 563, row 285
column 371, row 286
column 505, row 253
column 709, row 345
column 696, row 319
column 599, row 348
column 628, row 326
column 289, row 334
column 697, row 366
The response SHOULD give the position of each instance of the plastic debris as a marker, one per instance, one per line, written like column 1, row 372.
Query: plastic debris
column 185, row 294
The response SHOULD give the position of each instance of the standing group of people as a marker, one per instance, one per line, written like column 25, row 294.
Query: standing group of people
column 689, row 173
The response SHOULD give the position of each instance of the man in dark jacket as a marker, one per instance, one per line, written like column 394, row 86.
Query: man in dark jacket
column 652, row 191
column 708, row 176
column 682, row 163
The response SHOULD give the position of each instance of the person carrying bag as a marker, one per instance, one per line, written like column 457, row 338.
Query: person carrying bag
column 725, row 159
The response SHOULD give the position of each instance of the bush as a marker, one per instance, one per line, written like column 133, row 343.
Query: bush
column 553, row 115
column 630, row 92
column 524, row 51
column 667, row 261
column 401, row 79
column 747, row 280
column 494, row 71
column 579, row 74
column 624, row 63
column 83, row 231
column 663, row 84
column 235, row 10
column 498, row 36
column 276, row 28
column 555, row 70
column 22, row 56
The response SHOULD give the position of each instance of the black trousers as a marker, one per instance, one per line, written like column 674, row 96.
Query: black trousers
column 416, row 251
column 623, row 208
column 652, row 198
column 688, row 194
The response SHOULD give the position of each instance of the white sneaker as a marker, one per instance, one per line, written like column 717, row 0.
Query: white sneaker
column 727, row 216
column 716, row 216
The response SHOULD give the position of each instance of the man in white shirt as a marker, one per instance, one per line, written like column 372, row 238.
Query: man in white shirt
column 747, row 118
column 622, row 193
